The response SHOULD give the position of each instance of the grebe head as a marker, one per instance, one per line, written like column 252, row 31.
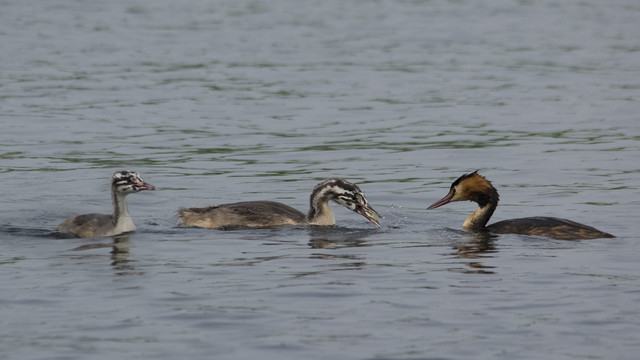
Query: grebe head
column 472, row 187
column 128, row 182
column 346, row 194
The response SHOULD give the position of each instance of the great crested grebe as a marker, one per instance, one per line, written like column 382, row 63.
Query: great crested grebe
column 270, row 213
column 123, row 183
column 474, row 187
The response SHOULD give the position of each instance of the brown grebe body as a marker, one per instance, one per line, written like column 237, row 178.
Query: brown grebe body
column 475, row 187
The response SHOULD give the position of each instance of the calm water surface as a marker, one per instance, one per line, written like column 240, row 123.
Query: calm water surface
column 221, row 101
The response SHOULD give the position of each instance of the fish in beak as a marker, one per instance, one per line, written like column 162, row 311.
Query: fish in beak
column 367, row 211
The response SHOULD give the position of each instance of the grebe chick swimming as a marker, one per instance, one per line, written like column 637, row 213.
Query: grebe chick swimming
column 123, row 183
column 474, row 187
column 270, row 213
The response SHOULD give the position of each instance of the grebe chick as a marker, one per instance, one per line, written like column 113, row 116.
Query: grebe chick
column 474, row 187
column 270, row 213
column 123, row 183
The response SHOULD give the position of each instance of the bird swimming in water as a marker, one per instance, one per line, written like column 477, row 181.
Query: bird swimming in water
column 271, row 213
column 123, row 183
column 475, row 187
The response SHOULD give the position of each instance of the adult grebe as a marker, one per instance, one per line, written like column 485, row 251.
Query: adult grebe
column 474, row 187
column 270, row 213
column 123, row 183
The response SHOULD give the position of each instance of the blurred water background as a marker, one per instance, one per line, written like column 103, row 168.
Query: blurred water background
column 223, row 101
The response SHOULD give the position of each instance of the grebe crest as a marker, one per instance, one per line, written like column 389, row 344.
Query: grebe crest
column 473, row 187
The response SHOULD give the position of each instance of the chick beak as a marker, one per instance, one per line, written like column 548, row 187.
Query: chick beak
column 367, row 211
column 143, row 186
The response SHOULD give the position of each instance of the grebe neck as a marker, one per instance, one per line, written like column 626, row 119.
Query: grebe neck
column 121, row 217
column 487, row 203
column 320, row 212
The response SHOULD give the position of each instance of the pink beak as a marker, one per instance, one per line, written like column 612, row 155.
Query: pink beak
column 444, row 201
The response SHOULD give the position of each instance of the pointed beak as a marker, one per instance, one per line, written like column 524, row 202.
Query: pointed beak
column 368, row 212
column 143, row 186
column 444, row 201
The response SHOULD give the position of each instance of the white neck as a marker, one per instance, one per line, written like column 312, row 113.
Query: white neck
column 320, row 212
column 122, row 222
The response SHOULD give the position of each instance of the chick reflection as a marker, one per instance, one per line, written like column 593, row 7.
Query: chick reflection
column 338, row 237
column 119, row 255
